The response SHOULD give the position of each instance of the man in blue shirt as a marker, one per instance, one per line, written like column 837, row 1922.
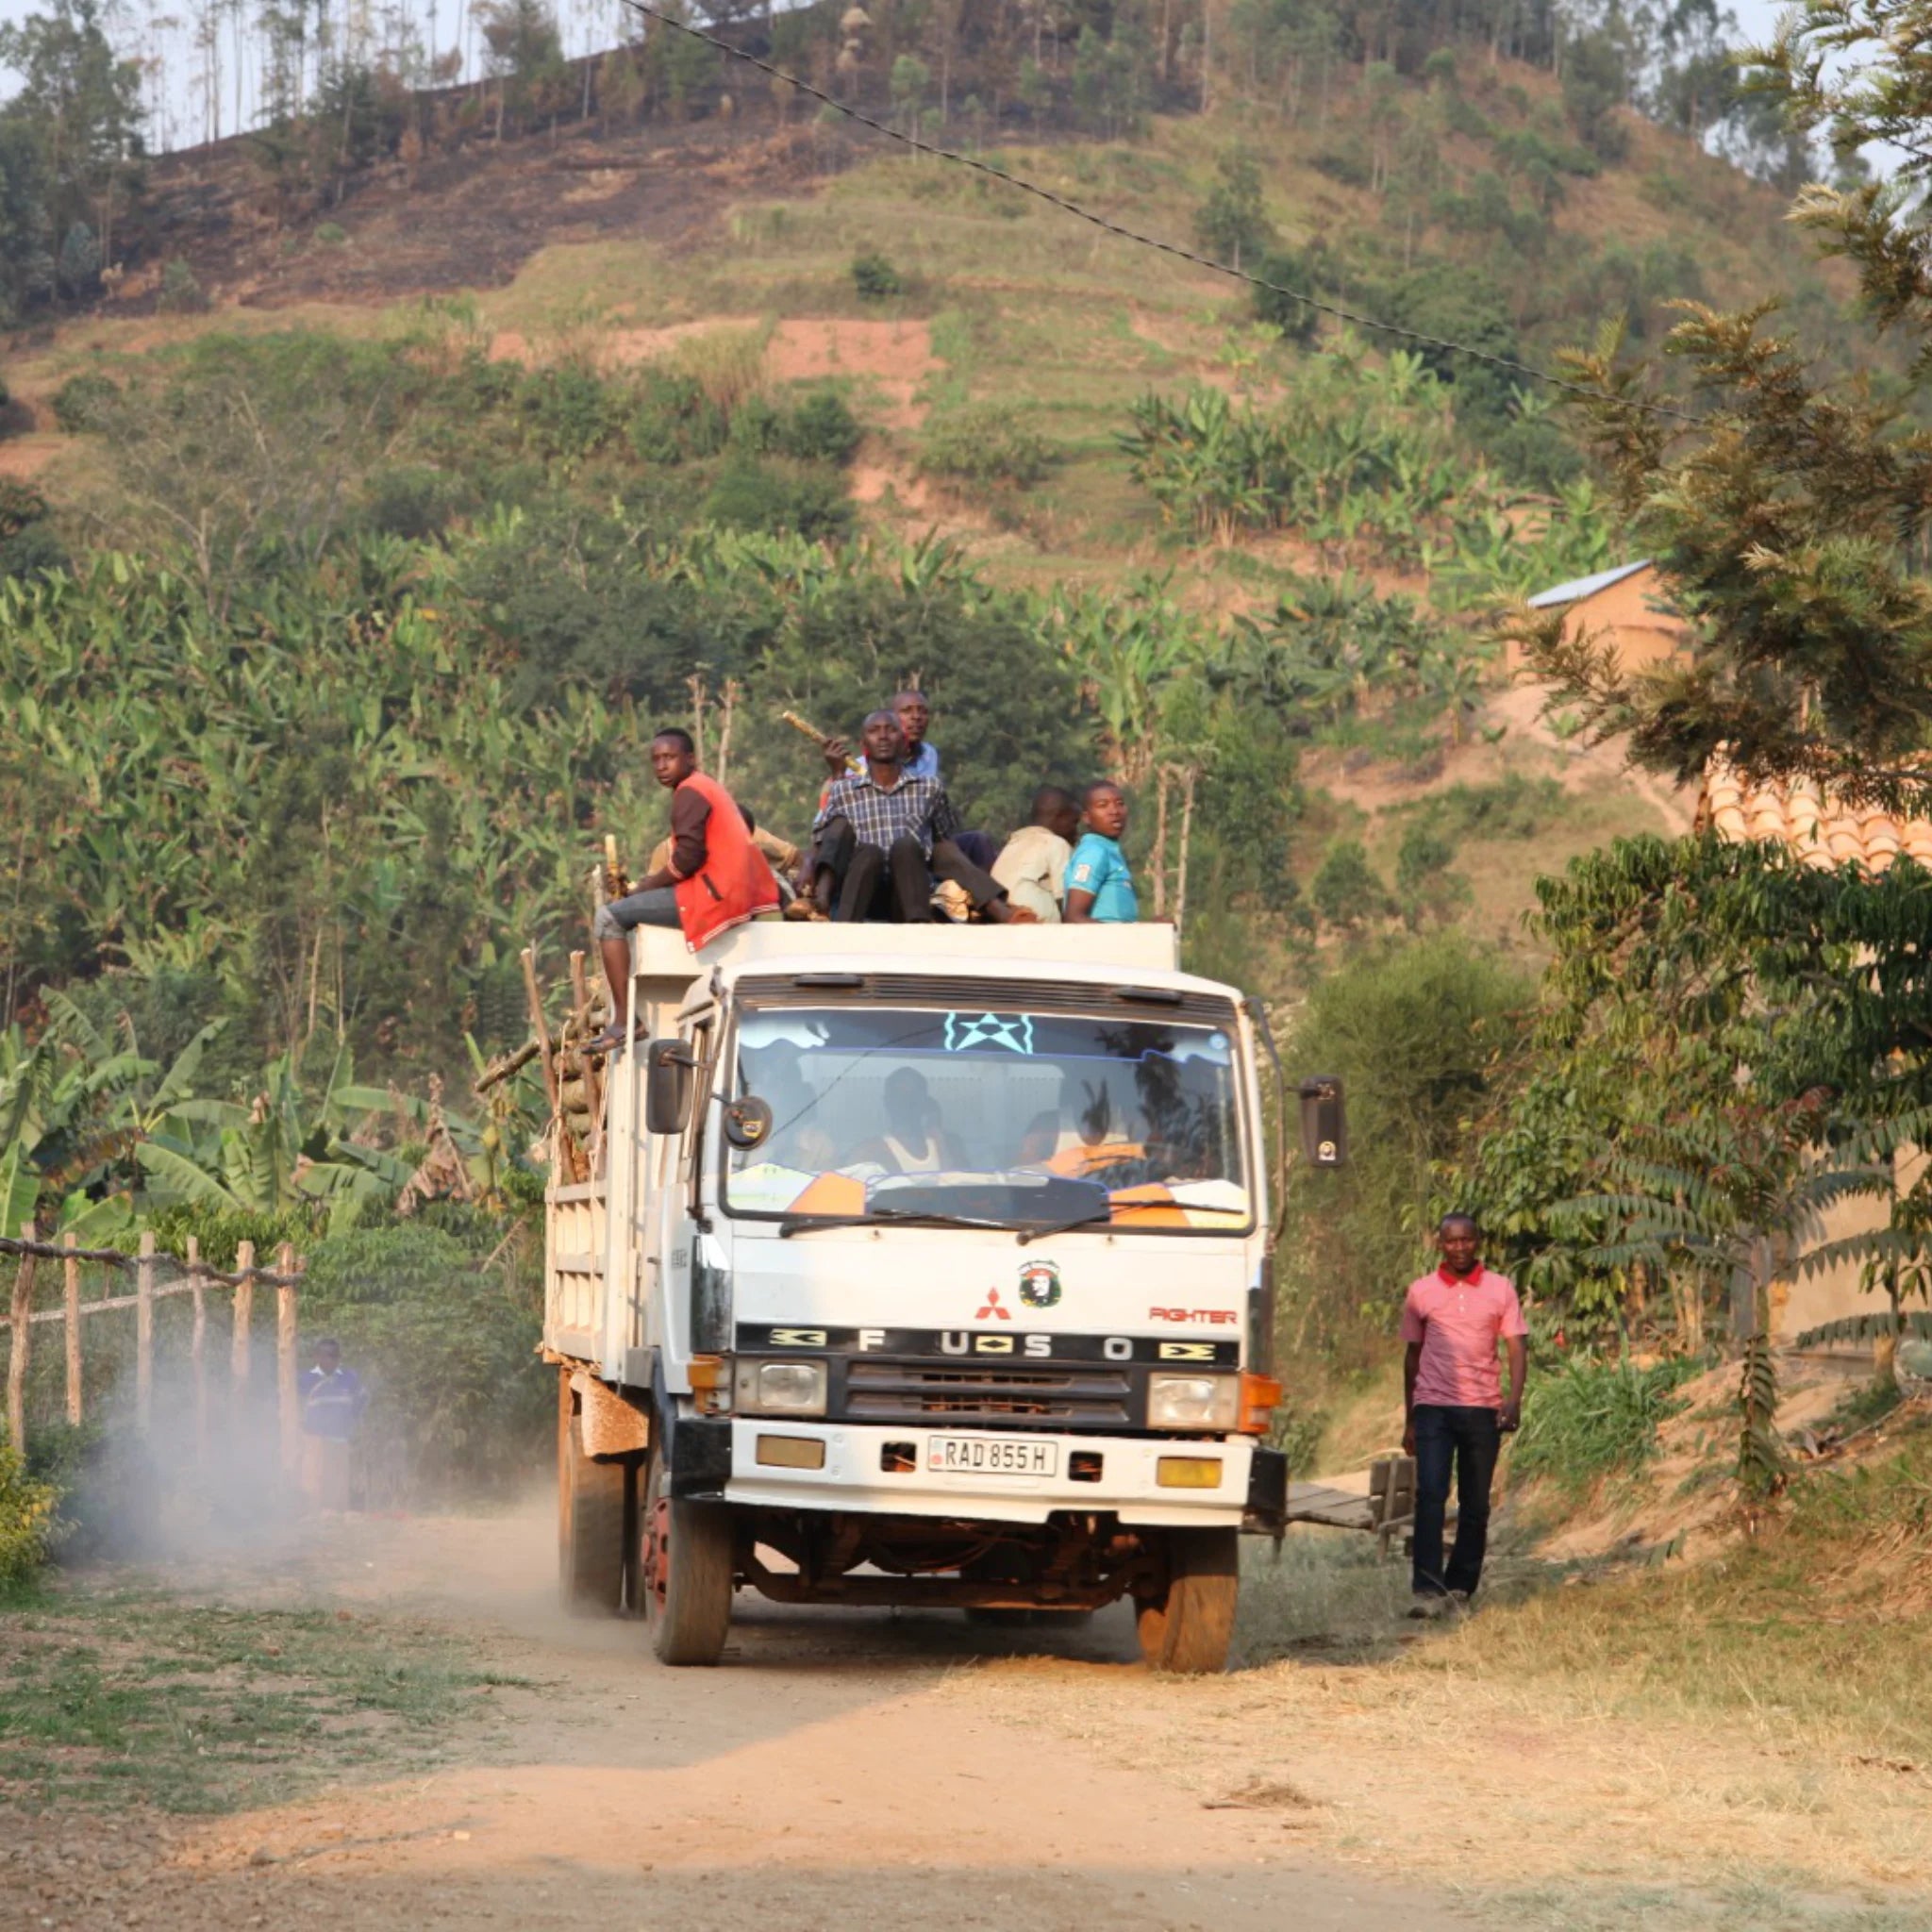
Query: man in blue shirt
column 333, row 1399
column 1100, row 886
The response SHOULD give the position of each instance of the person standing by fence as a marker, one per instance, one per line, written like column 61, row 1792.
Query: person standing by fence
column 1456, row 1413
column 333, row 1399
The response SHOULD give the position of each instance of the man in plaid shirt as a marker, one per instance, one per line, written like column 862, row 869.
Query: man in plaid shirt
column 881, row 834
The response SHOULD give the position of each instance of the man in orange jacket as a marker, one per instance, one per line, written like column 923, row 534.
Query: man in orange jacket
column 716, row 876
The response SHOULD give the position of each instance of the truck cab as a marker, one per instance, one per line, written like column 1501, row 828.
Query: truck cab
column 908, row 1265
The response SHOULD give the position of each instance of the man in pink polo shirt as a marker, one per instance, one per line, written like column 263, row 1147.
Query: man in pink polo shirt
column 1452, row 1396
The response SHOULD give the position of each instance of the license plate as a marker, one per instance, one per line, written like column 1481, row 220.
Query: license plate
column 991, row 1456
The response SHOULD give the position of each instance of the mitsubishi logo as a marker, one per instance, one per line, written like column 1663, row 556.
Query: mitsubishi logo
column 995, row 1309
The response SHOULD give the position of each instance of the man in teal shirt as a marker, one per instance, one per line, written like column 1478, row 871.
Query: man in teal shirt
column 1100, row 886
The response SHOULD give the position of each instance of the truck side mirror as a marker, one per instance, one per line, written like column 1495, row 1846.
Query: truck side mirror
column 668, row 1069
column 1325, row 1122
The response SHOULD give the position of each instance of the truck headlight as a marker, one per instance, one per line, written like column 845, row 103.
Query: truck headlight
column 1193, row 1402
column 781, row 1387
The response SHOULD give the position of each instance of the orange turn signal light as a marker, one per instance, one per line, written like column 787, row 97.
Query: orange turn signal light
column 708, row 1371
column 1260, row 1396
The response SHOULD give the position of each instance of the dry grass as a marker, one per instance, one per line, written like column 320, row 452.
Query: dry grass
column 728, row 364
column 1744, row 1745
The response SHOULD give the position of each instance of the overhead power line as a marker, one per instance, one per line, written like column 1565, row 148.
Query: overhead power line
column 1419, row 337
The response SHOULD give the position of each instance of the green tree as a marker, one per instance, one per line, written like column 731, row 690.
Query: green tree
column 1232, row 222
column 1419, row 1034
column 910, row 78
column 1425, row 888
column 27, row 262
column 525, row 60
column 79, row 108
column 1348, row 891
column 1789, row 518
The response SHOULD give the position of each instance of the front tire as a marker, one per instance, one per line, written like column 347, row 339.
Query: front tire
column 688, row 1573
column 1188, row 1628
column 593, row 1508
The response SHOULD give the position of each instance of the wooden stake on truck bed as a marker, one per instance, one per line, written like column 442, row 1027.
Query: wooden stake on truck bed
column 553, row 1084
column 592, row 1076
column 539, row 1024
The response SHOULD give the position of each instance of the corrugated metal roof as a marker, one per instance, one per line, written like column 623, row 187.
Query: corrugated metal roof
column 1822, row 830
column 1580, row 588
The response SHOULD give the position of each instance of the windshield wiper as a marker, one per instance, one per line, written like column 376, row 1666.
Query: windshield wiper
column 1106, row 1213
column 909, row 1217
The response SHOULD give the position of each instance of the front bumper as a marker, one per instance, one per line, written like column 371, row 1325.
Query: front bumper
column 864, row 1470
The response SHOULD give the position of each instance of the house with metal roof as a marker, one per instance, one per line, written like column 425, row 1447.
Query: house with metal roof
column 1626, row 605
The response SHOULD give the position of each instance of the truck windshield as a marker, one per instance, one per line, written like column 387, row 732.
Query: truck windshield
column 1014, row 1119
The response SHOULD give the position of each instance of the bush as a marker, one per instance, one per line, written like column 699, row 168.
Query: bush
column 27, row 1518
column 181, row 294
column 1424, row 886
column 413, row 502
column 1459, row 305
column 1415, row 1032
column 876, row 278
column 82, row 402
column 28, row 545
column 982, row 444
column 221, row 1231
column 568, row 412
column 1513, row 807
column 674, row 421
column 1595, row 1418
column 1303, row 270
column 331, row 234
column 820, row 429
column 780, row 496
column 1347, row 892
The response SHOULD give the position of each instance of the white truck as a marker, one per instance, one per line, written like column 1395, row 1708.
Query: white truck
column 913, row 1265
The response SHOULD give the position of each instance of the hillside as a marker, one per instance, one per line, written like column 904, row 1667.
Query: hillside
column 612, row 246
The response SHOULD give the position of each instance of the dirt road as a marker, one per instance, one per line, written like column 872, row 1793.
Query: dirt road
column 831, row 1774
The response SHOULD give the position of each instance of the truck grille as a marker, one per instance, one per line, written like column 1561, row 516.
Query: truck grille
column 910, row 1391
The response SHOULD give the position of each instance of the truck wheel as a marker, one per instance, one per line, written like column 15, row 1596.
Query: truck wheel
column 591, row 1507
column 1188, row 1628
column 688, row 1573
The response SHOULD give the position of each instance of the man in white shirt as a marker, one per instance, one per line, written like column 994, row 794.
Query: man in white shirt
column 1032, row 865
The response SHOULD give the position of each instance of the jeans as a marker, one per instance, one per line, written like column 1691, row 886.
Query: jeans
column 872, row 883
column 1469, row 1437
column 897, row 885
column 616, row 917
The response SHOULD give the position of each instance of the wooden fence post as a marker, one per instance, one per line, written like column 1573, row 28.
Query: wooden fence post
column 244, row 1314
column 144, row 1334
column 71, row 1268
column 23, row 1333
column 198, row 1349
column 287, row 1366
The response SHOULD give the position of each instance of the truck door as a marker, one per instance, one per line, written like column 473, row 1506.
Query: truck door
column 678, row 1170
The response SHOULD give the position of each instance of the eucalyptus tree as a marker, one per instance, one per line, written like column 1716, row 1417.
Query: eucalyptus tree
column 79, row 109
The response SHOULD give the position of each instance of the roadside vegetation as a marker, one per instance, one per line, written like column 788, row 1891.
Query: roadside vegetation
column 129, row 1696
column 333, row 649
